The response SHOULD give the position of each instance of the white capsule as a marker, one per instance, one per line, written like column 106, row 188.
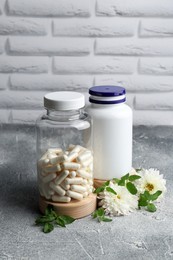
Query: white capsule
column 59, row 159
column 51, row 155
column 73, row 181
column 55, row 168
column 61, row 177
column 49, row 177
column 84, row 174
column 87, row 186
column 85, row 194
column 57, row 189
column 76, row 149
column 87, row 162
column 65, row 186
column 46, row 161
column 43, row 163
column 51, row 192
column 84, row 182
column 43, row 160
column 74, row 195
column 72, row 156
column 72, row 174
column 71, row 166
column 91, row 167
column 90, row 190
column 61, row 198
column 45, row 189
column 85, row 155
column 42, row 174
column 71, row 146
column 78, row 188
column 55, row 150
column 52, row 158
column 90, row 182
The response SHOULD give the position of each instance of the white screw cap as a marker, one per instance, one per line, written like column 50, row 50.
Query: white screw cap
column 64, row 100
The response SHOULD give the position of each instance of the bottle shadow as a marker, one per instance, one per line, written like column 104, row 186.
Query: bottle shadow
column 18, row 181
column 20, row 197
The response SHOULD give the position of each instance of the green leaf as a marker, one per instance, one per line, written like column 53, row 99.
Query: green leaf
column 102, row 188
column 121, row 183
column 44, row 219
column 105, row 219
column 94, row 214
column 106, row 183
column 155, row 195
column 49, row 210
column 123, row 180
column 115, row 180
column 50, row 219
column 125, row 176
column 100, row 212
column 131, row 188
column 151, row 207
column 109, row 189
column 100, row 215
column 134, row 177
column 67, row 219
column 60, row 222
column 99, row 189
column 147, row 195
column 48, row 227
column 142, row 201
column 40, row 220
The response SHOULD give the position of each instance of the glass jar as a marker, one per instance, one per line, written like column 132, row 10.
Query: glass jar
column 112, row 132
column 64, row 152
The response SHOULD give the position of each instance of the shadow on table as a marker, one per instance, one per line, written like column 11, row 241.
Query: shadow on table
column 23, row 197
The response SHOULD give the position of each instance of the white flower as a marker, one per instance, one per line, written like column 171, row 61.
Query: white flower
column 151, row 181
column 121, row 204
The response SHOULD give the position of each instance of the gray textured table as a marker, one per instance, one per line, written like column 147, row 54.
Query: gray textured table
column 141, row 235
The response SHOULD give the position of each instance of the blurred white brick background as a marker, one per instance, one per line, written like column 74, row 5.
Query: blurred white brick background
column 51, row 45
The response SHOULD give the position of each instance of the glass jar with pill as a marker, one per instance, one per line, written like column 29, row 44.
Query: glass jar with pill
column 64, row 149
column 112, row 132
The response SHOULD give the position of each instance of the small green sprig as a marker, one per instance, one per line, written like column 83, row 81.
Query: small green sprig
column 51, row 219
column 102, row 188
column 126, row 180
column 146, row 200
column 99, row 214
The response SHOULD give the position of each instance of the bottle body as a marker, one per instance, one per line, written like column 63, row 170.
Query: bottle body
column 112, row 139
column 64, row 155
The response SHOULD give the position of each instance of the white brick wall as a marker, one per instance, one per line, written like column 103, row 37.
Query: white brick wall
column 50, row 45
column 49, row 8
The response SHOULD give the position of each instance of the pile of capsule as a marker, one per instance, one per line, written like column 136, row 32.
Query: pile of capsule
column 66, row 175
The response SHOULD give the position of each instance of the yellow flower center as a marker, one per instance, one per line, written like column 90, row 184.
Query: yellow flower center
column 149, row 186
column 118, row 197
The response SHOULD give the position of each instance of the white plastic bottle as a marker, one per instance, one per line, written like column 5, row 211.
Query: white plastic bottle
column 112, row 132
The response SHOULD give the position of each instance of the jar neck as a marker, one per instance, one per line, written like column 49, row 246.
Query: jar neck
column 64, row 115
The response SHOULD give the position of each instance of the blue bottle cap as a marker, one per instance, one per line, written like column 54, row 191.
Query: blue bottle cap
column 107, row 94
